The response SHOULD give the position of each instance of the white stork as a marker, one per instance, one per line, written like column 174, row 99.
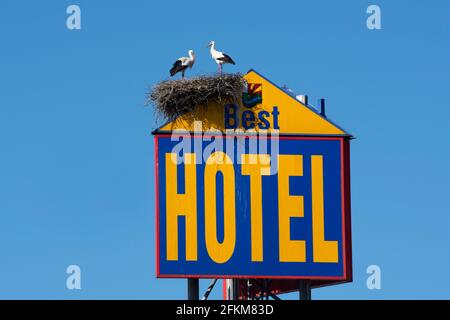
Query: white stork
column 220, row 57
column 182, row 64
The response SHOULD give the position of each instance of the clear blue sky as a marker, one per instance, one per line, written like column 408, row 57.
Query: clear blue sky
column 76, row 157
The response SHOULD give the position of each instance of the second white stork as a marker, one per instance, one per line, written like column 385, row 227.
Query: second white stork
column 182, row 64
column 220, row 57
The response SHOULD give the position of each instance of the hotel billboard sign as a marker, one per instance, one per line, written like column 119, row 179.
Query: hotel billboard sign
column 258, row 189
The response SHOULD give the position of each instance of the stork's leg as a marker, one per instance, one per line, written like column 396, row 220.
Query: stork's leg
column 182, row 75
column 220, row 68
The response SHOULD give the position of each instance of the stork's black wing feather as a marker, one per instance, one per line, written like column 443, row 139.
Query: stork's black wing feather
column 177, row 67
column 226, row 58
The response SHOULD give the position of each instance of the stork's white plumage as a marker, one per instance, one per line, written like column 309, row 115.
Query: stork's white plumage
column 182, row 64
column 220, row 57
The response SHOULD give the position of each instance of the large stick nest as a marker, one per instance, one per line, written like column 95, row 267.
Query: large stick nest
column 175, row 97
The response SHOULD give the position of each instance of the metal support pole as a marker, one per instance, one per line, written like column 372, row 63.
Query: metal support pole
column 208, row 291
column 235, row 289
column 305, row 290
column 193, row 290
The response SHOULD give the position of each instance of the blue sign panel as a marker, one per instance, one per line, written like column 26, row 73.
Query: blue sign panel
column 247, row 207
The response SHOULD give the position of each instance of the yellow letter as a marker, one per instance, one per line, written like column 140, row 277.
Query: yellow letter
column 181, row 205
column 289, row 206
column 256, row 169
column 324, row 251
column 220, row 252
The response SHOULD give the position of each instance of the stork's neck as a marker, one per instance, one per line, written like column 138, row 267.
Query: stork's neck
column 191, row 55
column 213, row 48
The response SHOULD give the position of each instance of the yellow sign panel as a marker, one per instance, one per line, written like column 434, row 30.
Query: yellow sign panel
column 265, row 107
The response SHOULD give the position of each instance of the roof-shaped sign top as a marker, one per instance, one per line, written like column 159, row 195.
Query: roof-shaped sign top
column 264, row 107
